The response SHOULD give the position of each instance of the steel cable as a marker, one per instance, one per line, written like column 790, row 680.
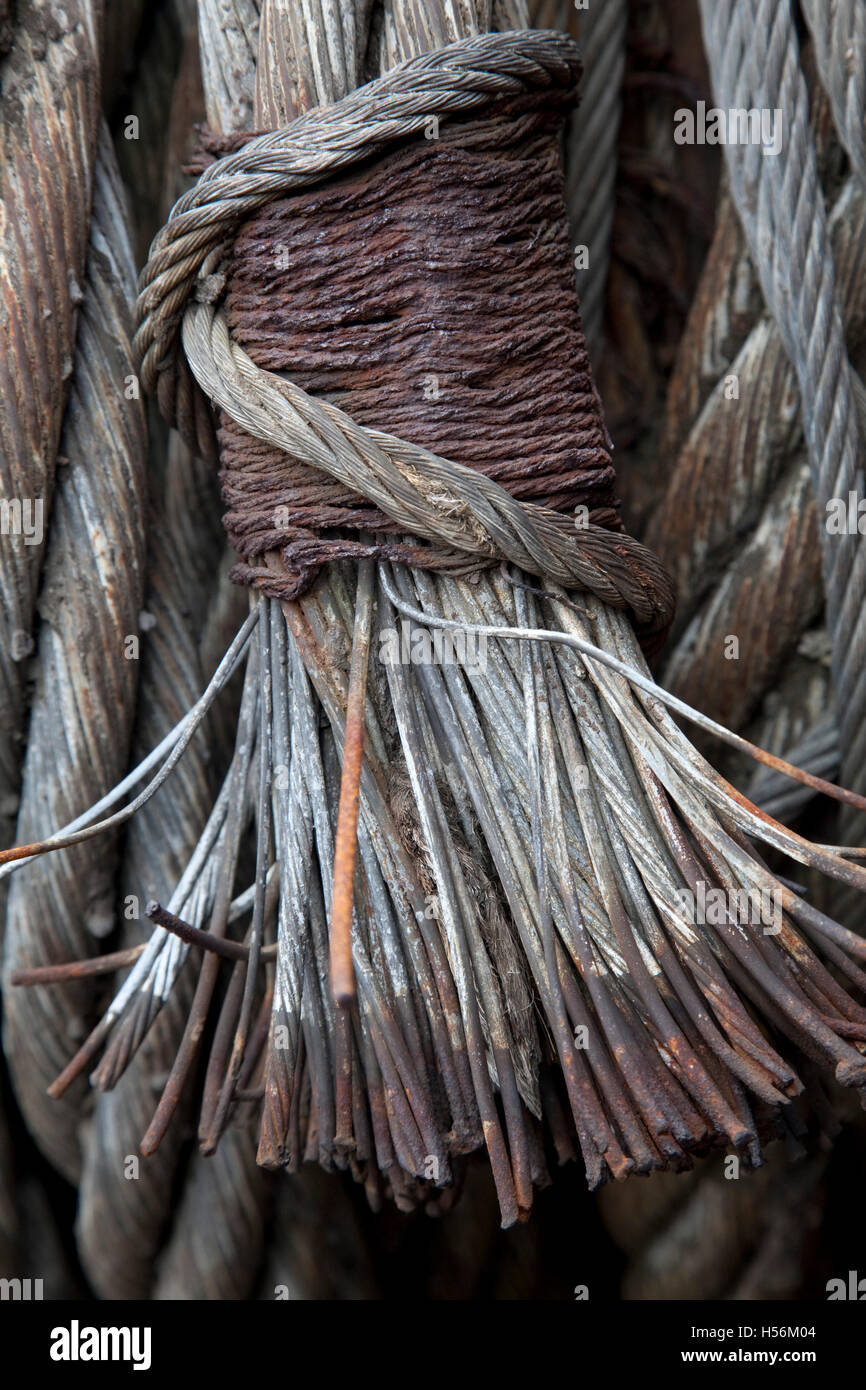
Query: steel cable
column 753, row 53
column 89, row 603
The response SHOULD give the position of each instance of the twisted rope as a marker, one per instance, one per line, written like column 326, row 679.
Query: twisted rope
column 218, row 1232
column 121, row 1224
column 734, row 518
column 591, row 874
column 591, row 143
column 838, row 28
column 738, row 472
column 448, row 82
column 89, row 606
column 753, row 54
column 766, row 597
column 422, row 493
column 48, row 135
column 308, row 55
column 228, row 40
column 726, row 307
column 755, row 1241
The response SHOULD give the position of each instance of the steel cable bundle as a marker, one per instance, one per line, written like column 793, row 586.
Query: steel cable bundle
column 539, row 896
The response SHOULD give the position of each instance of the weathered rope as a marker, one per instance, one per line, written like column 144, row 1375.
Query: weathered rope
column 421, row 493
column 754, row 1244
column 84, row 697
column 478, row 518
column 219, row 1227
column 342, row 289
column 435, row 1058
column 725, row 308
column 48, row 137
column 323, row 141
column 591, row 152
column 228, row 41
column 838, row 28
column 753, row 53
column 117, row 1237
column 766, row 597
column 122, row 1224
column 734, row 518
column 308, row 55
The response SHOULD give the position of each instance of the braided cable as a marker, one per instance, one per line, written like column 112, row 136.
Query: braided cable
column 448, row 82
column 838, row 29
column 84, row 699
column 753, row 54
column 591, row 154
column 121, row 1224
column 49, row 113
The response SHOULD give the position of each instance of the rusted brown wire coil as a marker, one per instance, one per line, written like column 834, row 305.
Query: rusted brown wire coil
column 543, row 446
column 433, row 292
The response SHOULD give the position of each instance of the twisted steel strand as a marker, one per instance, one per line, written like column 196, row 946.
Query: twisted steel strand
column 765, row 599
column 591, row 153
column 731, row 452
column 228, row 32
column 308, row 55
column 725, row 309
column 219, row 1228
column 753, row 54
column 49, row 114
column 203, row 1258
column 85, row 690
column 629, row 790
column 120, row 1225
column 838, row 28
column 737, row 459
column 817, row 750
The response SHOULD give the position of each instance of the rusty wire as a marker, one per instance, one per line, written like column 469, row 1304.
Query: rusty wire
column 525, row 831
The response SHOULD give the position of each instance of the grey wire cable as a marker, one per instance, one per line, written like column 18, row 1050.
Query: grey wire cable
column 49, row 123
column 82, row 712
column 591, row 154
column 121, row 1224
column 753, row 55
